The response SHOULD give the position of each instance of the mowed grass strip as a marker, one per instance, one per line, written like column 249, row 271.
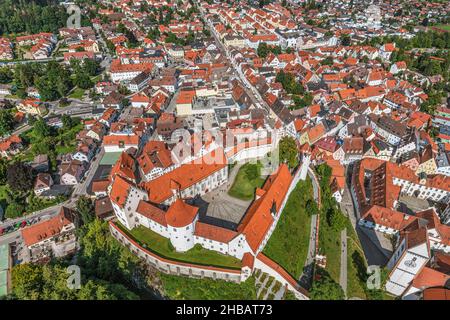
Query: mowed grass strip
column 163, row 248
column 184, row 288
column 247, row 180
column 289, row 243
column 77, row 93
column 330, row 245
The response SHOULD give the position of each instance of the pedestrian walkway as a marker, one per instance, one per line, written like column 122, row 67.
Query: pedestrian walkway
column 308, row 271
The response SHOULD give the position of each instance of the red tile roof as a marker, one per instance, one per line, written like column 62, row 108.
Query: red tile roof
column 152, row 212
column 124, row 167
column 117, row 139
column 155, row 154
column 430, row 278
column 100, row 185
column 119, row 191
column 215, row 233
column 388, row 218
column 180, row 214
column 46, row 229
column 185, row 176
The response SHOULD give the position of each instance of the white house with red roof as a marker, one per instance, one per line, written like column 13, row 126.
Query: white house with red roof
column 398, row 67
column 386, row 50
column 53, row 237
column 125, row 72
column 118, row 143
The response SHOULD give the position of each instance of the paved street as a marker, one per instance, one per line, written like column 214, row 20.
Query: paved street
column 43, row 214
column 346, row 206
column 315, row 184
column 308, row 270
column 373, row 252
column 252, row 93
column 171, row 107
column 80, row 189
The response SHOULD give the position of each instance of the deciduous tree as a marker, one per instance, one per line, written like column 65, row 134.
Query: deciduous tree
column 20, row 177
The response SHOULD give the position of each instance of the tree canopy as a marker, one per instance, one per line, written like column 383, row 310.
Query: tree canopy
column 31, row 16
column 49, row 282
column 6, row 122
column 264, row 49
column 289, row 83
column 107, row 271
column 85, row 208
column 326, row 289
column 288, row 152
column 20, row 176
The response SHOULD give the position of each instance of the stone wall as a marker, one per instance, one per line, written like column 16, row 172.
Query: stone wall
column 174, row 267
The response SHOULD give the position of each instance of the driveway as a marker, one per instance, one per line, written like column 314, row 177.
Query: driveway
column 81, row 188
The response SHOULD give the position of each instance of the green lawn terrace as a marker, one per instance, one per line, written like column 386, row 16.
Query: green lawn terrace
column 162, row 247
column 288, row 245
column 77, row 93
column 445, row 27
column 247, row 180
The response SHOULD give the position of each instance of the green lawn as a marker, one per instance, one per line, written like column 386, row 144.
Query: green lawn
column 3, row 191
column 356, row 265
column 444, row 26
column 289, row 243
column 183, row 288
column 357, row 268
column 3, row 196
column 244, row 185
column 62, row 142
column 330, row 245
column 65, row 149
column 162, row 247
column 96, row 79
column 329, row 230
column 77, row 93
column 67, row 143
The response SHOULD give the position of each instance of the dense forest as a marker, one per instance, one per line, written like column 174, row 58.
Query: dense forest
column 31, row 16
column 426, row 45
column 106, row 271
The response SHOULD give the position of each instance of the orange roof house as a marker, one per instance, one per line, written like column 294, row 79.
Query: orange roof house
column 315, row 133
column 124, row 167
column 161, row 188
column 47, row 229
